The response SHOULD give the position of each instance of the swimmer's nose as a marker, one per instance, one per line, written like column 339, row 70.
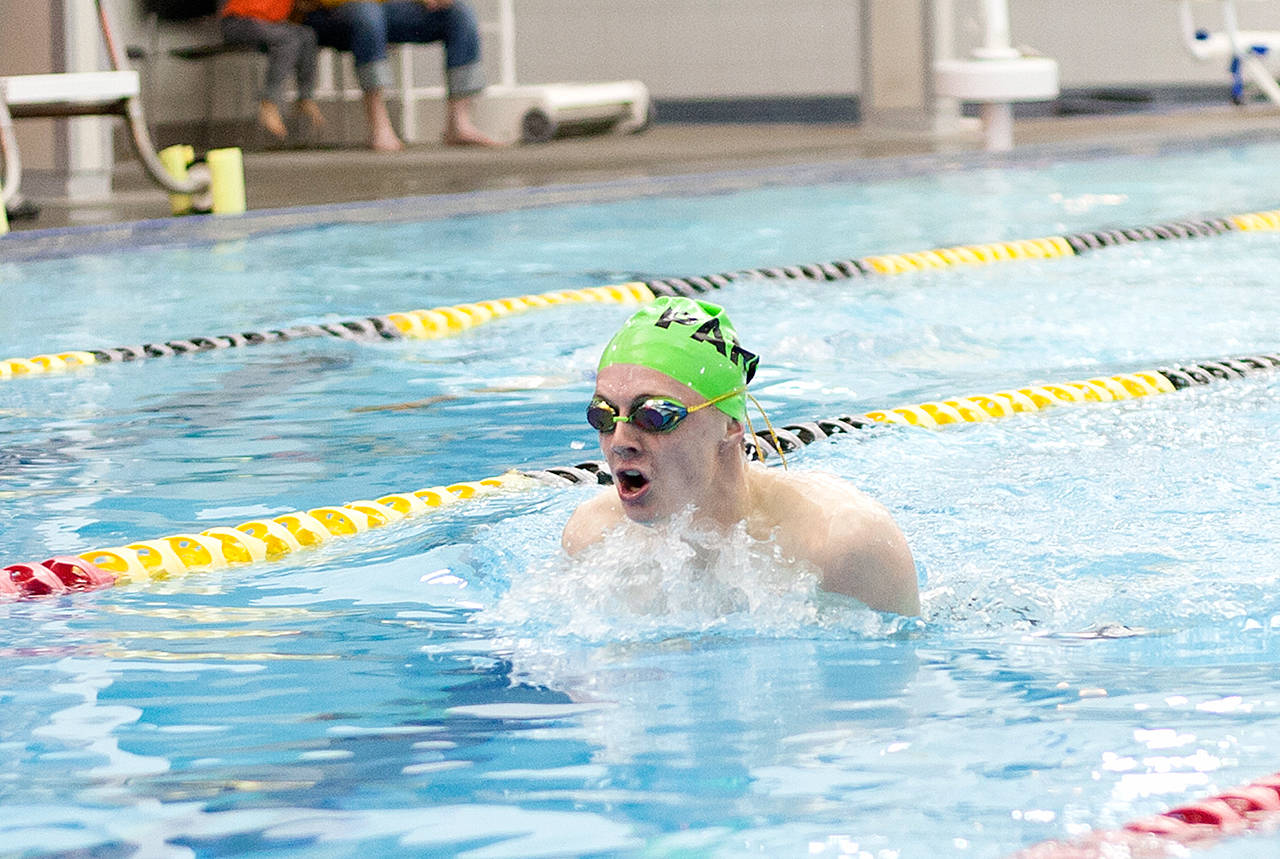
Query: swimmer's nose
column 624, row 439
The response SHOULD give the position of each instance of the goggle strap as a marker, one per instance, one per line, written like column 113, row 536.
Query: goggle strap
column 777, row 443
column 717, row 399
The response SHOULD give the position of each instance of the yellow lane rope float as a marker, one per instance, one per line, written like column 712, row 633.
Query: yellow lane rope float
column 275, row 537
column 260, row 539
column 416, row 324
column 985, row 407
column 450, row 320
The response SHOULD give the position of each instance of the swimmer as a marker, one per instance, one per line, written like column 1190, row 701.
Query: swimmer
column 670, row 405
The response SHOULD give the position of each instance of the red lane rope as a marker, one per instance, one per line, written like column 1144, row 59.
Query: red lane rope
column 57, row 575
column 1252, row 807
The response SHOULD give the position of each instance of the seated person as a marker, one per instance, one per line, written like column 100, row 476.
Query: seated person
column 366, row 27
column 668, row 450
column 290, row 48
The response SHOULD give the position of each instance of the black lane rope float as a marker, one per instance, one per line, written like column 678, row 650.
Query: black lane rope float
column 271, row 538
column 449, row 320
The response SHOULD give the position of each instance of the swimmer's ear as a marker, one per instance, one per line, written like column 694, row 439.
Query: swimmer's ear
column 733, row 433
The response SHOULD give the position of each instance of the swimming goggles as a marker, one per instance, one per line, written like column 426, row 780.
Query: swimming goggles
column 649, row 413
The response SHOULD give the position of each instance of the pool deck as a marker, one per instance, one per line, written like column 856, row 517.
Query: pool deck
column 287, row 178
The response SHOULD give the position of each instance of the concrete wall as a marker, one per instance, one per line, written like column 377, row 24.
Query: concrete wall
column 707, row 49
column 725, row 48
column 1126, row 42
column 694, row 48
column 682, row 49
column 28, row 46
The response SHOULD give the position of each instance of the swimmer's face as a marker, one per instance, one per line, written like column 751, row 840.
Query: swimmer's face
column 659, row 474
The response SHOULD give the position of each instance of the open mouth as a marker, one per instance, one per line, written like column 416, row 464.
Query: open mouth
column 631, row 483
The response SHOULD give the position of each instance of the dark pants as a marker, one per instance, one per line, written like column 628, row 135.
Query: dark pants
column 290, row 48
column 365, row 29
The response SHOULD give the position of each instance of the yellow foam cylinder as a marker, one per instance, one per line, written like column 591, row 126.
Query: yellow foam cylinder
column 435, row 496
column 226, row 180
column 238, row 547
column 197, row 552
column 942, row 413
column 339, row 521
column 305, row 528
column 278, row 539
column 477, row 313
column 4, row 220
column 455, row 318
column 158, row 558
column 122, row 561
column 176, row 159
column 406, row 504
column 379, row 514
column 992, row 405
column 1018, row 401
column 21, row 366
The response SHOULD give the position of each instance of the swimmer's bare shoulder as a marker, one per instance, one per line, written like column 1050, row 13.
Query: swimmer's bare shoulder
column 851, row 538
column 825, row 521
column 591, row 521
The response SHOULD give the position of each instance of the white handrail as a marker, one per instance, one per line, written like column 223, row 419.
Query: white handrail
column 1232, row 43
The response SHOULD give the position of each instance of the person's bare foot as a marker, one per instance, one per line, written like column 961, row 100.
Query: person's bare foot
column 308, row 108
column 459, row 129
column 382, row 135
column 269, row 118
column 385, row 140
column 468, row 136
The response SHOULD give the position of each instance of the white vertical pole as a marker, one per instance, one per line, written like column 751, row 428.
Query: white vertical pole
column 88, row 138
column 89, row 157
column 997, row 126
column 997, row 117
column 996, row 44
column 946, row 109
column 408, row 98
column 507, row 43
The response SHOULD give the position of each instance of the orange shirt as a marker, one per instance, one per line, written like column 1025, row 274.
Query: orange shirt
column 265, row 10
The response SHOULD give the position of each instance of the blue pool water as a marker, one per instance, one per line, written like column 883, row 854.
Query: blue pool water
column 453, row 686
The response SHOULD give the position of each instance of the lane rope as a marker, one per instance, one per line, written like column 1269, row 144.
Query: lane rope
column 1001, row 404
column 450, row 320
column 1203, row 823
column 275, row 537
column 414, row 324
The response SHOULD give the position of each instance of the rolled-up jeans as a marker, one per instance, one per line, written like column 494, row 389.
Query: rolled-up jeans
column 365, row 28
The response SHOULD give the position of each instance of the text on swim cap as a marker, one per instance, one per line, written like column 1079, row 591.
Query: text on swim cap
column 708, row 331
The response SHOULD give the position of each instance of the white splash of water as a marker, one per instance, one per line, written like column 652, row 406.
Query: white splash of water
column 678, row 578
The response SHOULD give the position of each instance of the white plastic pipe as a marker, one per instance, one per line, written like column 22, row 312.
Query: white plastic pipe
column 996, row 45
column 997, row 126
column 507, row 43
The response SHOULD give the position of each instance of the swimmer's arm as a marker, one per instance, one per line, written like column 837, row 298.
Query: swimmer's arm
column 866, row 557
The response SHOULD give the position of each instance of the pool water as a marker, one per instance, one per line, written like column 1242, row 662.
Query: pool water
column 1101, row 624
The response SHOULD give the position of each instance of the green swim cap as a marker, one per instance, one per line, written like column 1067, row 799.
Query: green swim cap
column 691, row 341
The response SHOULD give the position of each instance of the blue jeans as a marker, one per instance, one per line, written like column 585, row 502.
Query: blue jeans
column 365, row 28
